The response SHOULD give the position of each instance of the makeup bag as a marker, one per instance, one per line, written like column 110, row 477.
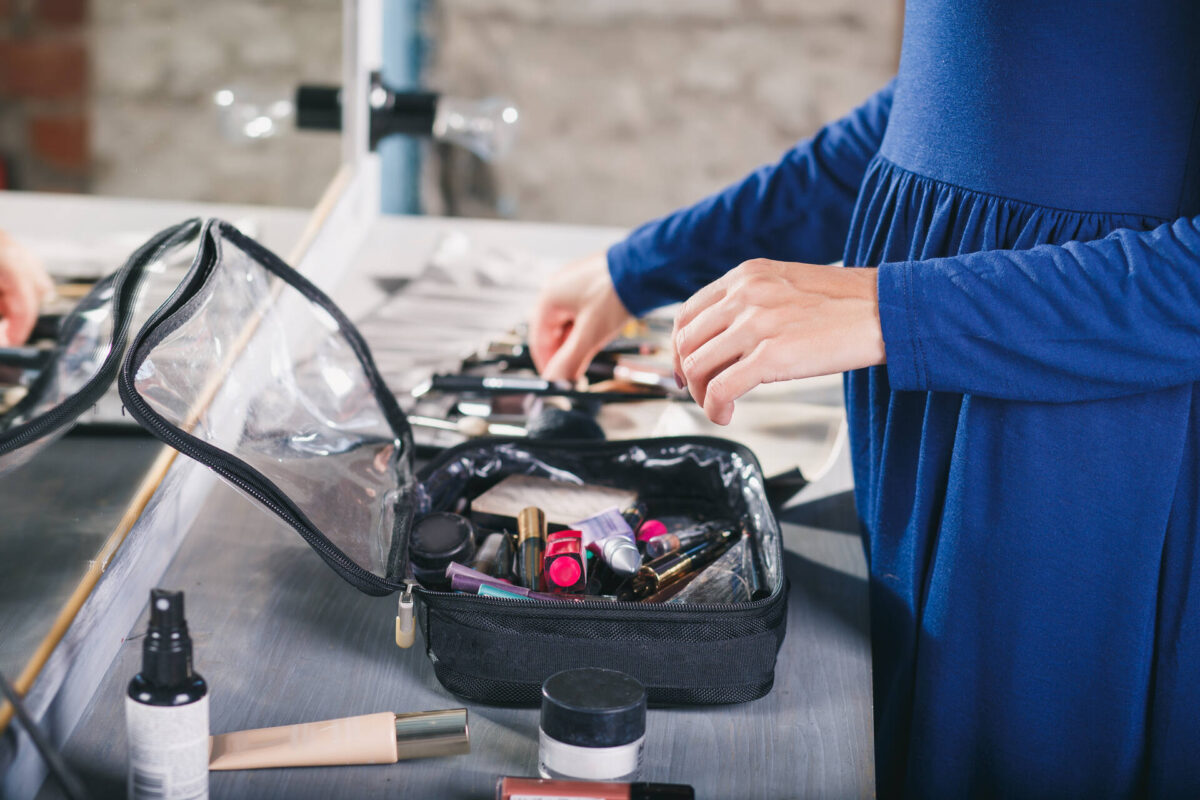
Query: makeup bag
column 302, row 423
column 62, row 382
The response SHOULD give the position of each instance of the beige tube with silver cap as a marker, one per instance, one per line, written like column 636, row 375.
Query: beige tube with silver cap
column 383, row 738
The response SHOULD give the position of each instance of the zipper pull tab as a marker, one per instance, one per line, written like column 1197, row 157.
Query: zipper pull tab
column 406, row 623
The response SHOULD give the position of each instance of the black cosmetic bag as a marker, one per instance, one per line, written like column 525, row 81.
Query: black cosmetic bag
column 251, row 370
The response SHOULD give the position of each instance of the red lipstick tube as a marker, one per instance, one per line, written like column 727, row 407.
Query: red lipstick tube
column 565, row 567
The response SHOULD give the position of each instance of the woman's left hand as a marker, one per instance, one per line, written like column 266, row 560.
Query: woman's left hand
column 768, row 321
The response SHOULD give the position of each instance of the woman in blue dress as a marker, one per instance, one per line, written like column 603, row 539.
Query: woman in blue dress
column 1022, row 355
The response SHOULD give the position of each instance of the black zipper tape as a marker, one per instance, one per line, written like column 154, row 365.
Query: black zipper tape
column 176, row 312
column 126, row 283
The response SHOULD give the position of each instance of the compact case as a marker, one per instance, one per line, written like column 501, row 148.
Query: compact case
column 307, row 428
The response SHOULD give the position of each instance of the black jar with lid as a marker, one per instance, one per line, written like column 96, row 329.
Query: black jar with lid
column 593, row 725
column 436, row 540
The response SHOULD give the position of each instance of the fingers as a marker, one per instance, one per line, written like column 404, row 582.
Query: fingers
column 733, row 382
column 686, row 339
column 18, row 305
column 708, row 310
column 716, row 354
column 709, row 295
column 23, row 285
column 547, row 331
column 585, row 339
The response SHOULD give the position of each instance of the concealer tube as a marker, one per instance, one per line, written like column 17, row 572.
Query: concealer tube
column 382, row 738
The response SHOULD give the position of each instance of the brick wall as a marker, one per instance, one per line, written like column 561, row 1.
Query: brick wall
column 44, row 116
column 631, row 108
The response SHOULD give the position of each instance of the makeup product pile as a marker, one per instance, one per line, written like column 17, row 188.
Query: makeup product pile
column 460, row 364
column 498, row 392
column 536, row 539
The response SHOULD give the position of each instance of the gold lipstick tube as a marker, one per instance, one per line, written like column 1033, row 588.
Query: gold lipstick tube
column 531, row 547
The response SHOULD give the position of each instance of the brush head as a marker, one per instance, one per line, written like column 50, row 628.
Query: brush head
column 555, row 423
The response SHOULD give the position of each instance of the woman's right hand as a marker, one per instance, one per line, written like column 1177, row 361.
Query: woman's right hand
column 576, row 314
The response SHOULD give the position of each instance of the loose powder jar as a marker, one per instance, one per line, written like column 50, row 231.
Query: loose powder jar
column 593, row 725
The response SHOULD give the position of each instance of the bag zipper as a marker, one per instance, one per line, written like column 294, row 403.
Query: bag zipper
column 227, row 466
column 406, row 625
column 127, row 282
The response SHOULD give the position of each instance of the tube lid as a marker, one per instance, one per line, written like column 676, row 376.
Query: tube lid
column 428, row 734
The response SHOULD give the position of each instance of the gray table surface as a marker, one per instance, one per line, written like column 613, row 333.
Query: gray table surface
column 55, row 514
column 281, row 639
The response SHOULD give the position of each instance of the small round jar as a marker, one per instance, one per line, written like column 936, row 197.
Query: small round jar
column 593, row 725
column 435, row 541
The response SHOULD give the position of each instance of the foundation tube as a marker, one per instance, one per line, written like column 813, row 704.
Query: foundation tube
column 383, row 738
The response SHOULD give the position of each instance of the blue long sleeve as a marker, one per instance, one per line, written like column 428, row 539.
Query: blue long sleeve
column 795, row 210
column 1081, row 321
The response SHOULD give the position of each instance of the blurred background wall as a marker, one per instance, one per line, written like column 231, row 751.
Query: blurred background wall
column 629, row 107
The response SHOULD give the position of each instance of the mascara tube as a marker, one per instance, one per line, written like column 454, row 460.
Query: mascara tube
column 686, row 539
column 531, row 548
column 666, row 570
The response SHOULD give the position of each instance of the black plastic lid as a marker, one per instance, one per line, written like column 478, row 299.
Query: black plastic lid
column 167, row 649
column 593, row 707
column 439, row 538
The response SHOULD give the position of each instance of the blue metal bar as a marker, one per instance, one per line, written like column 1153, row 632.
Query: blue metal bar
column 400, row 156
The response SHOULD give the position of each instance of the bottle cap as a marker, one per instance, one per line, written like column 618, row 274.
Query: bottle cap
column 593, row 707
column 167, row 648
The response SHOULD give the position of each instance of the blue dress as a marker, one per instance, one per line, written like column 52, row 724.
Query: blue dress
column 1027, row 464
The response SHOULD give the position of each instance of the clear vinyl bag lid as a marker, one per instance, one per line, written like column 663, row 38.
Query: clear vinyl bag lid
column 254, row 372
column 58, row 383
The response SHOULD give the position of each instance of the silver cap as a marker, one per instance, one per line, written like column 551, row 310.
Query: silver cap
column 428, row 734
column 621, row 555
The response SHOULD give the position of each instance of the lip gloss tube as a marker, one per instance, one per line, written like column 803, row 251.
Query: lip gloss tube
column 531, row 530
column 488, row 590
column 540, row 789
column 465, row 579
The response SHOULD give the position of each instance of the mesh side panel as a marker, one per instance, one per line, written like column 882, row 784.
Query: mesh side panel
column 603, row 624
column 508, row 665
column 510, row 693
